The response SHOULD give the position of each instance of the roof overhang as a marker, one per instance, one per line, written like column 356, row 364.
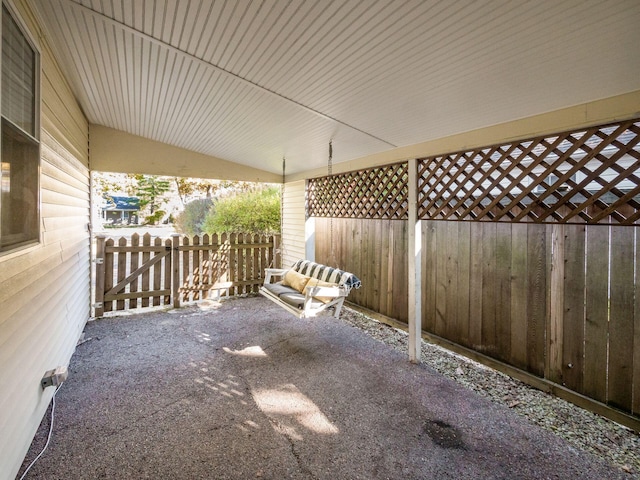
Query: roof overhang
column 117, row 151
column 599, row 112
column 250, row 83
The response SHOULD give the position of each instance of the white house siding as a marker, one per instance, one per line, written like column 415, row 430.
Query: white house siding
column 45, row 289
column 293, row 218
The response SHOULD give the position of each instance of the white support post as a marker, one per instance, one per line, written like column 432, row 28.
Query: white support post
column 414, row 260
column 310, row 239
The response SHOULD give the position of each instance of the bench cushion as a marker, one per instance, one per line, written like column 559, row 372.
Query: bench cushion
column 297, row 300
column 278, row 288
column 290, row 295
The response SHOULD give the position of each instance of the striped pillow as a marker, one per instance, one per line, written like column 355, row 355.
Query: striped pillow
column 327, row 274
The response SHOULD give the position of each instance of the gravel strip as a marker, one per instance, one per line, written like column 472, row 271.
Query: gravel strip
column 585, row 430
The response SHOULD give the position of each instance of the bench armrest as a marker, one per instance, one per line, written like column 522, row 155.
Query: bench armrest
column 273, row 272
column 333, row 292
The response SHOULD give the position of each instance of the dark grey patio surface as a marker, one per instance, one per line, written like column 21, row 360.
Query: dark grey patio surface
column 242, row 390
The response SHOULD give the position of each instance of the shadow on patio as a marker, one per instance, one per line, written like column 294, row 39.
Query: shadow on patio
column 240, row 389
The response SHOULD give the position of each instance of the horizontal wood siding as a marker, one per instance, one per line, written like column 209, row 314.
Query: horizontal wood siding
column 293, row 222
column 44, row 289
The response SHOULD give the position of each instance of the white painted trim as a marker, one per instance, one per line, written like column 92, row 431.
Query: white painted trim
column 415, row 277
column 310, row 239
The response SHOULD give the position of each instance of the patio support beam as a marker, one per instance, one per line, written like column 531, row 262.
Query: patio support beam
column 414, row 260
column 310, row 239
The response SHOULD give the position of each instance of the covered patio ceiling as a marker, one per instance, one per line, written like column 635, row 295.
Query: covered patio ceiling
column 251, row 82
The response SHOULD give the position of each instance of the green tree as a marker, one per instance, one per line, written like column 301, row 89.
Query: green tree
column 191, row 219
column 256, row 211
column 151, row 190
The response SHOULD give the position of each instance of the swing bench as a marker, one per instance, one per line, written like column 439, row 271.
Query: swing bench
column 308, row 288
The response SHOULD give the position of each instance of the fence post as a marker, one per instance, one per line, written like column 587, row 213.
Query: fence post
column 414, row 258
column 99, row 288
column 277, row 261
column 175, row 269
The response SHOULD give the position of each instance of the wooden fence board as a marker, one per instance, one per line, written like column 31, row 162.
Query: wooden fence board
column 186, row 269
column 157, row 274
column 263, row 259
column 476, row 286
column 574, row 307
column 537, row 303
column 519, row 293
column 108, row 272
column 635, row 407
column 597, row 312
column 256, row 272
column 386, row 271
column 489, row 287
column 441, row 286
column 463, row 274
column 122, row 270
column 555, row 335
column 429, row 248
column 503, row 291
column 451, row 321
column 367, row 252
column 378, row 268
column 401, row 269
column 241, row 255
column 146, row 256
column 196, row 276
column 99, row 273
column 169, row 271
column 223, row 257
column 233, row 264
column 135, row 258
column 620, row 379
column 206, row 263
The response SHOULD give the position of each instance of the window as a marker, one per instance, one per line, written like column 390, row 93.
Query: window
column 20, row 160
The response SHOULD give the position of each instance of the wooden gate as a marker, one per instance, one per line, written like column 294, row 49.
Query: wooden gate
column 134, row 274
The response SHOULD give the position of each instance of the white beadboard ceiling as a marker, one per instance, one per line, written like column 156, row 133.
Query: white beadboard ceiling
column 253, row 81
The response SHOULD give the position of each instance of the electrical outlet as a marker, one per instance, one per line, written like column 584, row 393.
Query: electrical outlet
column 55, row 377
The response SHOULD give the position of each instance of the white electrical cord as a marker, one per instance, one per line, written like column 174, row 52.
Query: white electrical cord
column 53, row 411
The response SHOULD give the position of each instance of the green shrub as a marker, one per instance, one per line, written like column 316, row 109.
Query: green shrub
column 190, row 220
column 247, row 212
column 154, row 218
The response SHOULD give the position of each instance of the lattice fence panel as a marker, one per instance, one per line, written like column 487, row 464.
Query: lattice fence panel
column 586, row 176
column 374, row 193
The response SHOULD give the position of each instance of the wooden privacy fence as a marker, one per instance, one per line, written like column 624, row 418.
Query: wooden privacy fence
column 377, row 250
column 558, row 301
column 147, row 271
column 529, row 255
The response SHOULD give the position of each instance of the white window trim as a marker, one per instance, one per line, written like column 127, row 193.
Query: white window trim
column 31, row 39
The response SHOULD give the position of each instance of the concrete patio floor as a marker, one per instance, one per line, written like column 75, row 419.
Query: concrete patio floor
column 242, row 390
